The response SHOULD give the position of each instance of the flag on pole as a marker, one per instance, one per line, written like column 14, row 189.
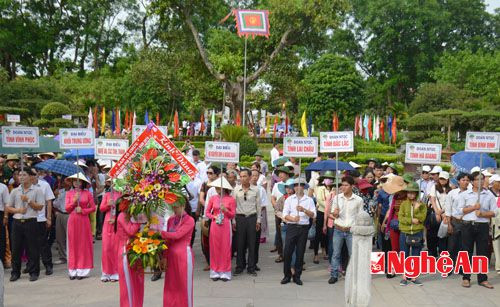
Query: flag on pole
column 268, row 123
column 303, row 124
column 374, row 123
column 146, row 118
column 377, row 128
column 366, row 130
column 202, row 122
column 90, row 119
column 212, row 126
column 356, row 125
column 286, row 124
column 389, row 127
column 176, row 124
column 96, row 121
column 113, row 119
column 125, row 124
column 360, row 126
column 309, row 125
column 275, row 126
column 118, row 121
column 238, row 118
column 103, row 120
column 335, row 126
column 157, row 118
column 394, row 130
column 134, row 120
column 382, row 131
column 370, row 131
column 251, row 22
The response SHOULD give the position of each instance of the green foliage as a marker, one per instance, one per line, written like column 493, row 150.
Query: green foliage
column 54, row 109
column 233, row 133
column 248, row 146
column 475, row 73
column 361, row 145
column 437, row 96
column 331, row 84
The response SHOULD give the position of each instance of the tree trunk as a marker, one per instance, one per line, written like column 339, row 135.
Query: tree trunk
column 448, row 145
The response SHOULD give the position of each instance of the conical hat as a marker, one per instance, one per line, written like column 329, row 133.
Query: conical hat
column 79, row 176
column 221, row 182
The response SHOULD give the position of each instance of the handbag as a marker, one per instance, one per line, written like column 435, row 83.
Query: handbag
column 394, row 225
column 413, row 239
column 311, row 234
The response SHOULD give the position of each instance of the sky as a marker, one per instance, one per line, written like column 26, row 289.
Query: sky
column 491, row 5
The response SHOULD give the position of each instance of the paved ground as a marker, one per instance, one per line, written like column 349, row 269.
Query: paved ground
column 263, row 290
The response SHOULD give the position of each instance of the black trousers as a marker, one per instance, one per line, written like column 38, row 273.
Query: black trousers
column 295, row 240
column 279, row 241
column 257, row 245
column 25, row 234
column 320, row 238
column 477, row 234
column 3, row 238
column 43, row 243
column 455, row 241
column 245, row 225
column 99, row 217
column 193, row 235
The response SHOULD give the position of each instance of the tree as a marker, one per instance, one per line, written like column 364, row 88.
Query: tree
column 432, row 97
column 331, row 84
column 475, row 73
column 449, row 114
column 299, row 23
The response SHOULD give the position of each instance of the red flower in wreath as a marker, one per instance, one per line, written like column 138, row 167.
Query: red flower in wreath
column 170, row 198
column 174, row 177
column 169, row 167
column 150, row 154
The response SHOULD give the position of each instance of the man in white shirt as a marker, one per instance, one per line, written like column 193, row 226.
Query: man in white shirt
column 424, row 180
column 345, row 208
column 455, row 216
column 275, row 153
column 297, row 211
column 44, row 220
column 200, row 166
column 475, row 229
column 4, row 199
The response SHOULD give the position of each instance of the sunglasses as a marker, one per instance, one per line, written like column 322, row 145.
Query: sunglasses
column 210, row 173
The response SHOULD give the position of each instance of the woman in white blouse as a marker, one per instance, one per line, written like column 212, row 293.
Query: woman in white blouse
column 437, row 195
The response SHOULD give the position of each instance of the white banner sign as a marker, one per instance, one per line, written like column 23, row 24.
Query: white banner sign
column 110, row 149
column 300, row 147
column 75, row 138
column 222, row 152
column 13, row 118
column 342, row 141
column 67, row 116
column 138, row 129
column 421, row 153
column 26, row 137
column 482, row 141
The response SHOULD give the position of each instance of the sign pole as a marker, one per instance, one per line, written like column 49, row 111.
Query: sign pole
column 337, row 176
column 22, row 162
column 480, row 177
column 78, row 178
column 245, row 81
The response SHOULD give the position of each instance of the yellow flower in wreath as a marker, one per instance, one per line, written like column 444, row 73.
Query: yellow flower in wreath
column 143, row 240
column 137, row 249
column 157, row 186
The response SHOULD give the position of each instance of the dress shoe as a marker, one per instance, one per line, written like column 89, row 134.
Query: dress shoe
column 72, row 277
column 155, row 277
column 33, row 277
column 257, row 268
column 285, row 280
column 25, row 271
column 215, row 278
column 49, row 271
column 224, row 279
column 332, row 280
column 14, row 277
column 298, row 281
column 253, row 273
column 389, row 276
column 237, row 272
column 80, row 277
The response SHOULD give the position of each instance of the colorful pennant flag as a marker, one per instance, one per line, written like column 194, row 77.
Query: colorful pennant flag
column 157, row 118
column 382, row 130
column 389, row 127
column 394, row 130
column 176, row 124
column 134, row 120
column 96, row 121
column 202, row 121
column 335, row 123
column 113, row 127
column 103, row 120
column 118, row 121
column 212, row 126
column 303, row 124
column 90, row 119
column 146, row 118
column 251, row 22
column 238, row 118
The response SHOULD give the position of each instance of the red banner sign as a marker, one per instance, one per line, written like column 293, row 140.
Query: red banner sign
column 142, row 140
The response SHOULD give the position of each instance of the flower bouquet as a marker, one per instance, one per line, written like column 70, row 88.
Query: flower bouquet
column 151, row 186
column 145, row 249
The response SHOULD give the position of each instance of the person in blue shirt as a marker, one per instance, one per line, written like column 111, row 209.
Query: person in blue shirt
column 383, row 204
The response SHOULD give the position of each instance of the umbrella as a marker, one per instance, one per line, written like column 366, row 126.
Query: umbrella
column 280, row 161
column 82, row 153
column 464, row 161
column 329, row 165
column 63, row 167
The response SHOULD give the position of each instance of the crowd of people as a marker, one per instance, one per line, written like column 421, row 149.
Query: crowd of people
column 231, row 204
